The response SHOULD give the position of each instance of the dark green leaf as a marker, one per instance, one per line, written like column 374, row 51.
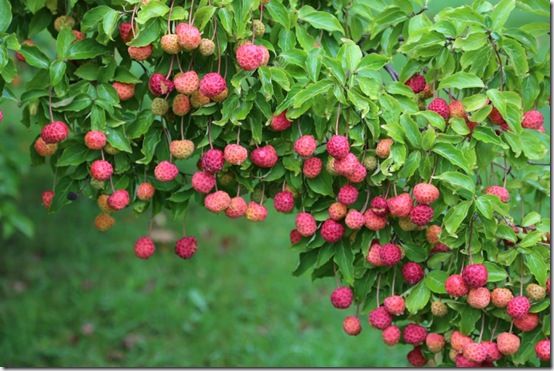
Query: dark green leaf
column 418, row 298
column 434, row 281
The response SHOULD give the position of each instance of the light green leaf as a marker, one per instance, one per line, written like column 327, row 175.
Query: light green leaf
column 85, row 49
column 453, row 155
column 312, row 91
column 501, row 13
column 461, row 80
column 278, row 13
column 455, row 216
column 6, row 18
column 531, row 219
column 57, row 71
column 434, row 281
column 320, row 20
column 458, row 180
column 418, row 298
column 496, row 273
column 345, row 262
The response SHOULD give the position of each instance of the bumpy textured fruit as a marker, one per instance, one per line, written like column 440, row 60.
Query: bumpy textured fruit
column 217, row 202
column 507, row 343
column 145, row 191
column 391, row 335
column 305, row 145
column 439, row 247
column 475, row 275
column 212, row 160
column 479, row 298
column 181, row 105
column 338, row 146
column 383, row 148
column 435, row 342
column 379, row 206
column 342, row 297
column 280, row 122
column 493, row 354
column 532, row 120
column 104, row 222
column 380, row 318
column 475, row 352
column 354, row 219
column 188, row 36
column 395, row 305
column 165, row 171
column 352, row 325
column 346, row 166
column 140, row 53
column 249, row 56
column 331, row 231
column 400, row 206
column 197, row 99
column 170, row 44
column 258, row 28
column 54, row 132
column 212, row 84
column 305, row 224
column 337, row 211
column 44, row 149
column 370, row 162
column 542, row 349
column 256, row 212
column 347, row 195
column 295, row 237
column 237, row 208
column 186, row 247
column 119, row 199
column 312, row 167
column 102, row 202
column 527, row 323
column 414, row 334
column 374, row 222
column 439, row 309
column 426, row 193
column 203, row 182
column 416, row 83
column 206, row 47
column 235, row 154
column 101, row 170
column 124, row 91
column 47, row 197
column 439, row 106
column 518, row 307
column 264, row 157
column 498, row 191
column 463, row 362
column 535, row 292
column 501, row 296
column 181, row 149
column 390, row 254
column 416, row 357
column 432, row 234
column 186, row 82
column 455, row 286
column 221, row 96
column 159, row 85
column 373, row 256
column 458, row 341
column 421, row 215
column 412, row 273
column 358, row 175
column 265, row 54
column 144, row 247
column 64, row 21
column 457, row 109
column 126, row 32
column 159, row 106
column 95, row 140
column 283, row 202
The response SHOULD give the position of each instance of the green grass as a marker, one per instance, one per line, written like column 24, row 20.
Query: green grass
column 235, row 304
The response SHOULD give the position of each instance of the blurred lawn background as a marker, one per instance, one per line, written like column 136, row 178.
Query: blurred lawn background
column 72, row 296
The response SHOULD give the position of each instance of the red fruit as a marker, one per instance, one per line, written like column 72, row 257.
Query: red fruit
column 439, row 106
column 380, row 318
column 498, row 191
column 145, row 191
column 463, row 362
column 312, row 167
column 280, row 122
column 348, row 195
column 475, row 275
column 212, row 84
column 395, row 305
column 44, row 149
column 373, row 256
column 507, row 343
column 54, row 132
column 144, row 247
column 421, row 214
column 217, row 202
column 455, row 286
column 235, row 154
column 331, row 231
column 264, row 157
column 383, row 148
column 284, row 202
column 412, row 273
column 354, row 219
column 542, row 349
column 458, row 341
column 119, row 199
column 457, row 109
column 414, row 334
column 425, row 193
column 159, row 85
column 338, row 146
column 347, row 166
column 305, row 145
column 358, row 175
column 479, row 298
column 493, row 354
column 374, row 222
column 390, row 254
column 305, row 224
column 337, row 211
column 186, row 247
column 295, row 237
column 532, row 120
column 416, row 357
column 186, row 82
column 188, row 35
column 101, row 170
column 95, row 140
column 203, row 182
column 432, row 234
column 379, row 206
column 124, row 91
column 140, row 53
column 435, row 342
column 391, row 335
column 249, row 56
column 496, row 118
column 518, row 307
column 213, row 160
column 256, row 212
column 440, row 247
column 165, row 171
column 416, row 83
column 400, row 206
column 527, row 323
column 548, row 284
column 237, row 208
column 351, row 325
column 501, row 296
column 126, row 32
column 342, row 297
column 47, row 197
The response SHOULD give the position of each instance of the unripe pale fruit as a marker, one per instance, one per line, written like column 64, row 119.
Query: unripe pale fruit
column 508, row 344
column 186, row 82
column 188, row 36
column 145, row 191
column 258, row 28
column 535, row 292
column 64, row 21
column 206, row 47
column 140, row 53
column 181, row 149
column 104, row 222
column 501, row 296
column 44, row 149
column 439, row 309
column 198, row 99
column 124, row 91
column 170, row 44
column 256, row 212
column 159, row 106
column 383, row 148
column 181, row 105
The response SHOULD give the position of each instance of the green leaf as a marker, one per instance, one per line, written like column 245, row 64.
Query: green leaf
column 453, row 155
column 516, row 55
column 415, row 253
column 149, row 144
column 320, row 20
column 63, row 42
column 509, row 105
column 153, row 9
column 203, row 15
column 531, row 219
column 434, row 281
column 418, row 298
column 34, row 57
column 411, row 130
column 455, row 216
column 501, row 13
column 118, row 139
column 57, row 71
column 432, row 118
column 345, row 262
column 322, row 185
column 306, row 261
column 313, row 64
column 536, row 264
column 147, row 35
column 350, row 55
column 487, row 135
column 278, row 13
column 372, row 62
column 468, row 318
column 458, row 180
column 311, row 91
column 496, row 273
column 6, row 18
column 461, row 80
column 527, row 348
column 73, row 155
column 85, row 49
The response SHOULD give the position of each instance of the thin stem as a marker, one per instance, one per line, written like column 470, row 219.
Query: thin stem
column 393, row 74
column 378, row 285
column 191, row 11
column 499, row 59
column 210, row 135
column 494, row 328
column 50, row 104
column 470, row 237
column 393, row 280
column 219, row 57
column 169, row 17
column 182, row 127
column 170, row 70
column 238, row 135
column 133, row 20
column 366, row 201
column 482, row 327
column 337, row 120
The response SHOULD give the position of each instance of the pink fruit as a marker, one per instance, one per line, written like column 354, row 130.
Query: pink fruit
column 256, row 212
column 507, row 343
column 518, row 307
column 532, row 120
column 213, row 160
column 498, row 191
column 264, row 157
column 212, row 84
column 284, row 202
column 144, row 247
column 126, row 32
column 305, row 224
column 380, row 318
column 348, row 195
column 400, row 206
column 395, row 305
column 354, row 219
column 124, row 91
column 379, row 206
column 235, row 154
column 237, row 208
column 412, row 273
column 475, row 275
column 95, row 140
column 165, row 171
column 280, row 122
column 295, row 237
column 527, row 323
column 186, row 82
column 391, row 335
column 217, row 202
column 342, row 297
column 390, row 254
column 435, row 342
column 416, row 83
column 455, row 286
column 479, row 298
column 47, row 197
column 414, row 334
column 159, row 85
column 249, row 56
column 101, row 170
column 331, row 231
column 140, row 53
column 54, row 132
column 337, row 211
column 347, row 166
column 374, row 222
column 351, row 325
column 145, row 191
column 203, row 182
column 119, row 199
column 416, row 357
column 425, row 193
column 542, row 349
column 458, row 341
column 189, row 37
column 338, row 146
column 312, row 167
column 501, row 296
column 305, row 145
column 373, row 256
column 440, row 106
column 186, row 247
column 421, row 215
column 493, row 354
